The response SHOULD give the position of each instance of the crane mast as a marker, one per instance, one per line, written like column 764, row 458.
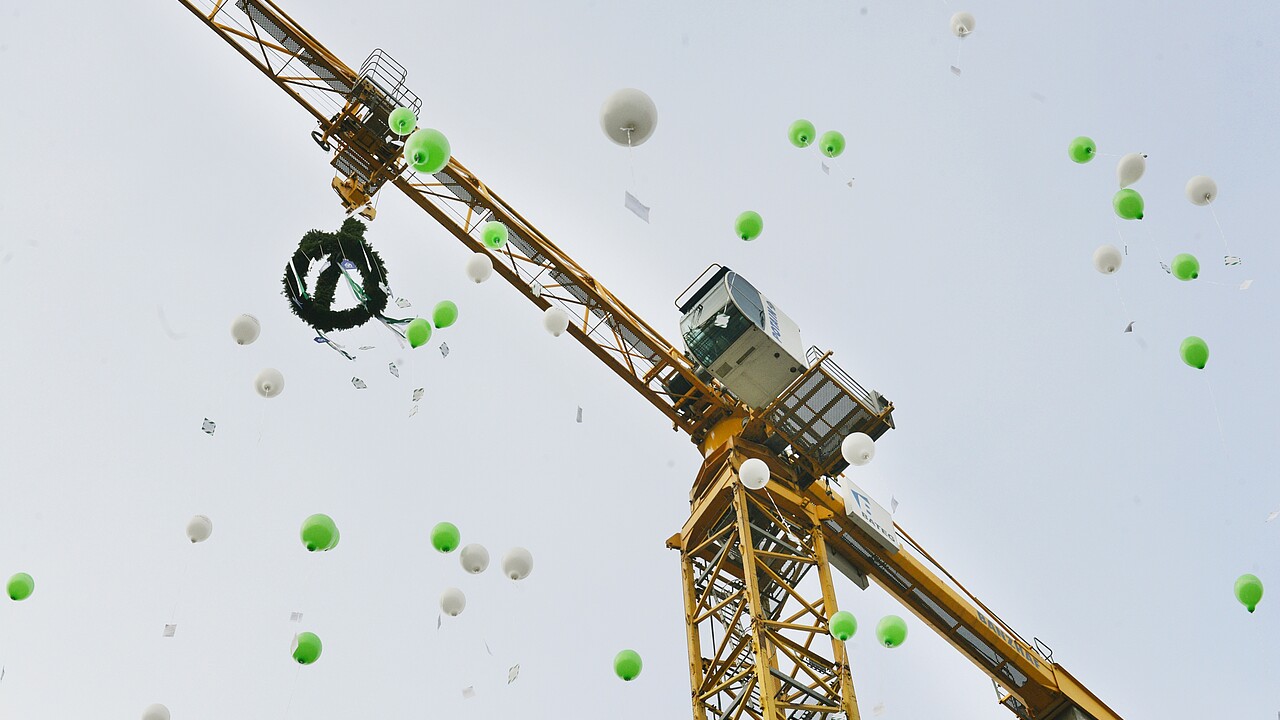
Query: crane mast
column 759, row 644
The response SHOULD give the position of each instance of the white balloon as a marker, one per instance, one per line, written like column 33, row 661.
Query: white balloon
column 479, row 267
column 555, row 320
column 453, row 602
column 269, row 383
column 858, row 449
column 156, row 712
column 1107, row 259
column 1202, row 190
column 754, row 473
column 245, row 329
column 1130, row 169
column 628, row 117
column 199, row 528
column 474, row 558
column 962, row 23
column 517, row 564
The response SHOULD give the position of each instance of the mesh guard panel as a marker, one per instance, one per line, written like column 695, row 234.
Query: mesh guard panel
column 287, row 41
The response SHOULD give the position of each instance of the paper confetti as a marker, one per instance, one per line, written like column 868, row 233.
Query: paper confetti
column 1166, row 268
column 438, row 621
column 413, row 411
column 1245, row 285
column 893, row 503
column 641, row 211
column 826, row 168
column 1230, row 260
column 444, row 349
column 537, row 290
column 394, row 370
column 209, row 426
column 1129, row 328
column 295, row 617
column 722, row 320
column 358, row 383
column 366, row 347
column 169, row 630
column 402, row 303
column 417, row 394
column 486, row 648
column 955, row 70
column 513, row 673
column 579, row 414
column 468, row 692
column 1275, row 514
column 347, row 264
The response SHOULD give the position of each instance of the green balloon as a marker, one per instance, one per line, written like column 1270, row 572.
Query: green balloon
column 402, row 121
column 418, row 333
column 1128, row 204
column 1186, row 266
column 627, row 665
column 427, row 151
column 891, row 631
column 831, row 143
column 493, row 234
column 444, row 314
column 21, row 586
column 319, row 532
column 802, row 133
column 843, row 625
column 1082, row 149
column 749, row 225
column 307, row 648
column 445, row 537
column 1195, row 352
column 1249, row 591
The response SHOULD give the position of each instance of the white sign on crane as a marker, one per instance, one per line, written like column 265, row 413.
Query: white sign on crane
column 869, row 515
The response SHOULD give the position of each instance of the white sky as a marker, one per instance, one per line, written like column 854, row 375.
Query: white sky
column 1072, row 476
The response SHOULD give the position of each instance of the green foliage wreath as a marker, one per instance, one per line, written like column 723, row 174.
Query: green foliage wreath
column 316, row 307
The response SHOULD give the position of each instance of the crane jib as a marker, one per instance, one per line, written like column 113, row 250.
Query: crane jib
column 1025, row 652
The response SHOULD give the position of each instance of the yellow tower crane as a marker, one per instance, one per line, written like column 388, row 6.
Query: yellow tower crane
column 759, row 646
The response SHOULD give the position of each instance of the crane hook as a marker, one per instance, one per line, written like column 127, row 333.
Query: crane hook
column 319, row 138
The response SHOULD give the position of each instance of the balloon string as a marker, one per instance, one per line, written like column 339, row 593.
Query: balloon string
column 1159, row 247
column 835, row 164
column 1127, row 315
column 297, row 675
column 959, row 47
column 305, row 575
column 788, row 527
column 262, row 423
column 631, row 160
column 1220, row 233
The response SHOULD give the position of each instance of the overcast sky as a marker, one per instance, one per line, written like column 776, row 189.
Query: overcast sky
column 1090, row 488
